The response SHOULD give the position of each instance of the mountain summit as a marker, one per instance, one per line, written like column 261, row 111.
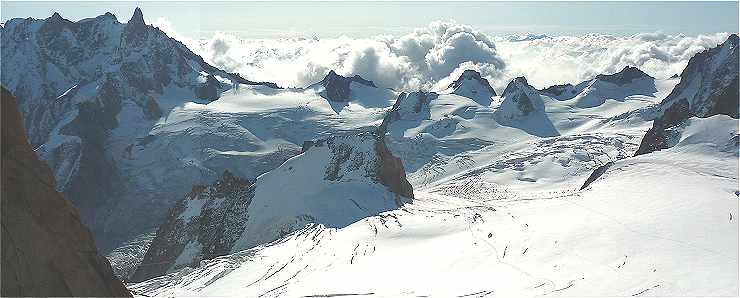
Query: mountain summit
column 470, row 84
column 94, row 88
column 625, row 76
column 708, row 87
column 337, row 87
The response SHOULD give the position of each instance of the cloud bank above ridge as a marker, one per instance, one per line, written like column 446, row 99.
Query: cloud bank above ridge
column 431, row 57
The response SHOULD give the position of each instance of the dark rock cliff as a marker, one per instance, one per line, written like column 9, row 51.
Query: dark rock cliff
column 46, row 251
column 337, row 88
column 209, row 219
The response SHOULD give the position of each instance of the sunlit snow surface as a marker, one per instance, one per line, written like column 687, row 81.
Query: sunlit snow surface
column 498, row 212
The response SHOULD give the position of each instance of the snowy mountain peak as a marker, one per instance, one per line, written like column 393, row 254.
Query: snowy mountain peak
column 733, row 39
column 88, row 82
column 333, row 77
column 472, row 85
column 625, row 76
column 522, row 106
column 708, row 87
column 337, row 87
column 517, row 86
column 561, row 91
column 409, row 105
column 54, row 24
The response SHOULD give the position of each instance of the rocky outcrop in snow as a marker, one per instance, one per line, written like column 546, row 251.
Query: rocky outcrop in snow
column 520, row 100
column 523, row 107
column 625, row 76
column 629, row 81
column 409, row 106
column 561, row 91
column 203, row 225
column 709, row 86
column 46, row 250
column 337, row 88
column 334, row 181
column 470, row 84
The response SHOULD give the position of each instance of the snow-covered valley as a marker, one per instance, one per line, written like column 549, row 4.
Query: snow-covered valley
column 657, row 224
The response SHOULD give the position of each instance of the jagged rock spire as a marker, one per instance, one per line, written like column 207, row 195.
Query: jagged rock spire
column 136, row 29
column 137, row 18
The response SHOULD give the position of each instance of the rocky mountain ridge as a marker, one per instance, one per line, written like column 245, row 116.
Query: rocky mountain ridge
column 708, row 87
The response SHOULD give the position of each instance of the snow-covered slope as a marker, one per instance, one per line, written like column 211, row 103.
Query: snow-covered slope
column 709, row 86
column 334, row 182
column 669, row 220
column 498, row 212
column 203, row 225
column 470, row 84
column 526, row 140
column 91, row 84
column 128, row 118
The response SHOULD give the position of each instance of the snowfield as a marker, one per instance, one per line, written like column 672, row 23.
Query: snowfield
column 498, row 212
column 656, row 225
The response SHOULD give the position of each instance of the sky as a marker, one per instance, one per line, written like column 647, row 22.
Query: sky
column 365, row 19
column 426, row 45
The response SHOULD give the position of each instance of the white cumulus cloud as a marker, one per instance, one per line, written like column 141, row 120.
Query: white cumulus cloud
column 432, row 56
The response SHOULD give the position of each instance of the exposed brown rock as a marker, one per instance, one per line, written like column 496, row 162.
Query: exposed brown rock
column 391, row 172
column 46, row 251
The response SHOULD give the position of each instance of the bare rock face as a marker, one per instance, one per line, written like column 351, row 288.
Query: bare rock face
column 380, row 165
column 520, row 99
column 136, row 29
column 472, row 85
column 46, row 251
column 203, row 225
column 565, row 90
column 337, row 88
column 391, row 172
column 210, row 89
column 708, row 87
column 151, row 109
column 625, row 76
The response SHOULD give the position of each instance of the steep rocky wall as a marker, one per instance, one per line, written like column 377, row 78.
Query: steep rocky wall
column 46, row 251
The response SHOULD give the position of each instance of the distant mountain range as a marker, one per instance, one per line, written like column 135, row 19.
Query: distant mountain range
column 146, row 138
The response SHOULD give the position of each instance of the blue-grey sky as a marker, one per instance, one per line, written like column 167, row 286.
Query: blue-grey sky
column 365, row 19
